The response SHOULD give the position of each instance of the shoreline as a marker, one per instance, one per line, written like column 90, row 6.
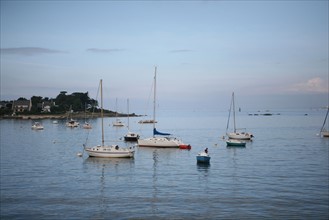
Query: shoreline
column 65, row 116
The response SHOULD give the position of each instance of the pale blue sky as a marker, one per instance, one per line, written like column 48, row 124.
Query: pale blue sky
column 273, row 54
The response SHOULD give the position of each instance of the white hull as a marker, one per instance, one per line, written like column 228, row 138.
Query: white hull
column 87, row 126
column 240, row 136
column 37, row 126
column 72, row 124
column 162, row 142
column 110, row 152
column 118, row 123
column 325, row 133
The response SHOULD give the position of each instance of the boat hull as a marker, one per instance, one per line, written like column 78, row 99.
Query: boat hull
column 131, row 137
column 325, row 134
column 203, row 159
column 185, row 147
column 235, row 143
column 110, row 152
column 161, row 142
column 240, row 136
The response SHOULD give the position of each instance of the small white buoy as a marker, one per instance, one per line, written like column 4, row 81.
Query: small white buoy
column 79, row 154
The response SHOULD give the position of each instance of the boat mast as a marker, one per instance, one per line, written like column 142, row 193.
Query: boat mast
column 233, row 112
column 102, row 114
column 229, row 116
column 128, row 112
column 154, row 97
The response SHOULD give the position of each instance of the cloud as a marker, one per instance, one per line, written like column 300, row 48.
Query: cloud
column 29, row 51
column 316, row 85
column 98, row 50
column 180, row 51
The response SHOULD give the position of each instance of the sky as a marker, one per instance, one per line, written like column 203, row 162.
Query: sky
column 272, row 54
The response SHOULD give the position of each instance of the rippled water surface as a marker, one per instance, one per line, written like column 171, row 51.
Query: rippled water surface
column 283, row 173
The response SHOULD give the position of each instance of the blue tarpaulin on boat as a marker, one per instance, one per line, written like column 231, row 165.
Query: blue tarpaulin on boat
column 155, row 132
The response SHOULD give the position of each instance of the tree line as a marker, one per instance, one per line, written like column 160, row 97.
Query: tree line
column 75, row 102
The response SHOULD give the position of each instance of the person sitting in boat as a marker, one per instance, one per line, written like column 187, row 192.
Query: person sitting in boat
column 206, row 150
column 116, row 147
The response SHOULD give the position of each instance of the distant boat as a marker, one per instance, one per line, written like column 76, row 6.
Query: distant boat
column 235, row 143
column 72, row 123
column 203, row 157
column 37, row 126
column 55, row 122
column 155, row 141
column 113, row 151
column 117, row 122
column 131, row 136
column 149, row 121
column 324, row 132
column 87, row 125
column 235, row 134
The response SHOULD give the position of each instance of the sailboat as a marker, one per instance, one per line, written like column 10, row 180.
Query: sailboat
column 324, row 132
column 72, row 123
column 164, row 141
column 117, row 122
column 235, row 134
column 131, row 136
column 113, row 151
column 86, row 125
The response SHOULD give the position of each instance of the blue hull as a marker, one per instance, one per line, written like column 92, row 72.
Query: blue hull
column 202, row 159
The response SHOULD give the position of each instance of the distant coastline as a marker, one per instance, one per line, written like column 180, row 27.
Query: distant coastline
column 64, row 116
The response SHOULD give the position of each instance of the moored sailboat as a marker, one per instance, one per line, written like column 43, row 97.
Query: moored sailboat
column 235, row 134
column 159, row 139
column 117, row 122
column 109, row 151
column 130, row 136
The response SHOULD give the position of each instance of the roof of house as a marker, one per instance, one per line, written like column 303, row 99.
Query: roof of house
column 22, row 102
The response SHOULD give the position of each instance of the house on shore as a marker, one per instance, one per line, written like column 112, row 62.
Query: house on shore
column 22, row 105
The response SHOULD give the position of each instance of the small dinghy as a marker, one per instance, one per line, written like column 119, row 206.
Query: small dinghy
column 185, row 147
column 203, row 157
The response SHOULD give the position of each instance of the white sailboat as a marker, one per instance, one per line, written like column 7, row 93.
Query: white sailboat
column 37, row 126
column 130, row 136
column 112, row 151
column 235, row 134
column 325, row 131
column 86, row 125
column 164, row 141
column 118, row 122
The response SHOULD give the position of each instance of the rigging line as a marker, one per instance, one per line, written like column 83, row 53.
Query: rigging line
column 229, row 116
column 148, row 104
column 92, row 114
column 325, row 119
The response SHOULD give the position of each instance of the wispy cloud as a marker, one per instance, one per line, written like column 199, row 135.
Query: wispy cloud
column 99, row 50
column 316, row 84
column 29, row 51
column 181, row 51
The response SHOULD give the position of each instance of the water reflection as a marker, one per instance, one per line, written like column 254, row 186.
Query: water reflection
column 103, row 167
column 108, row 161
column 155, row 156
column 203, row 168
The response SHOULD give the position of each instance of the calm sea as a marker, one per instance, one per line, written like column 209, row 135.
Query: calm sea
column 281, row 174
